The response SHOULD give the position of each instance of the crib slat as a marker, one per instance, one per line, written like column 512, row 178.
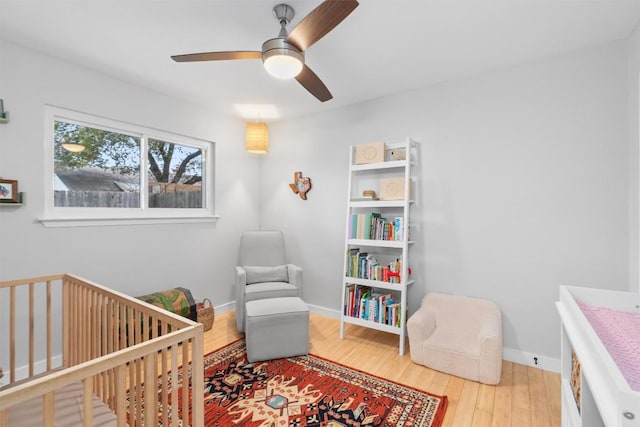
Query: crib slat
column 77, row 337
column 94, row 331
column 131, row 326
column 185, row 383
column 104, row 340
column 123, row 326
column 174, row 385
column 150, row 405
column 12, row 334
column 68, row 312
column 121, row 392
column 72, row 318
column 80, row 304
column 49, row 327
column 48, row 410
column 66, row 308
column 86, row 324
column 197, row 371
column 75, row 320
column 4, row 419
column 139, row 397
column 111, row 346
column 144, row 326
column 165, row 379
column 87, row 401
column 31, row 331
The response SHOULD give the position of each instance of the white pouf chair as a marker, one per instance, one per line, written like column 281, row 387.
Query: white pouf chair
column 458, row 335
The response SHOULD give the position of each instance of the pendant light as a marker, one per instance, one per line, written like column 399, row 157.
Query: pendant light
column 257, row 138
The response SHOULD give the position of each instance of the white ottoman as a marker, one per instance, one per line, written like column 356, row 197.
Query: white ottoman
column 276, row 328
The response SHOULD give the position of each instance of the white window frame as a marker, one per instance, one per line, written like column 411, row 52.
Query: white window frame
column 74, row 216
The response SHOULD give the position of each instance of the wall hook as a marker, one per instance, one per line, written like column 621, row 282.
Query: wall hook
column 4, row 115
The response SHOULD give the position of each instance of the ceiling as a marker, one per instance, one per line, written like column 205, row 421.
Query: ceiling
column 383, row 47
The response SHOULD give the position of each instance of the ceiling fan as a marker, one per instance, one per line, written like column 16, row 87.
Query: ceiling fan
column 283, row 56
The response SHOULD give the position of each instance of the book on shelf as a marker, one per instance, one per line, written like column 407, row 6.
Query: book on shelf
column 398, row 227
column 362, row 303
column 372, row 226
column 364, row 265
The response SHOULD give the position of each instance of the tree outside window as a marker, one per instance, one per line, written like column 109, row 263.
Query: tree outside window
column 106, row 173
column 174, row 175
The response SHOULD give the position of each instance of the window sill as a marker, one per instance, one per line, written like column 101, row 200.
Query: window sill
column 102, row 222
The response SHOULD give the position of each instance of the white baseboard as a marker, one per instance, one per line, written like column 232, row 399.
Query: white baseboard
column 531, row 359
column 223, row 308
column 22, row 372
column 323, row 311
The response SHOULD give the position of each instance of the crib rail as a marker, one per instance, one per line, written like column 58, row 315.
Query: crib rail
column 63, row 329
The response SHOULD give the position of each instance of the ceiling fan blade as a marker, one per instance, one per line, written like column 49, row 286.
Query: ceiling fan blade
column 320, row 21
column 313, row 84
column 217, row 56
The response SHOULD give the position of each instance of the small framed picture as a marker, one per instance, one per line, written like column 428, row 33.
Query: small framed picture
column 8, row 191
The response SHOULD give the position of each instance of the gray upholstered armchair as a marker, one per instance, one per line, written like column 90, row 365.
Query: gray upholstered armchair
column 263, row 271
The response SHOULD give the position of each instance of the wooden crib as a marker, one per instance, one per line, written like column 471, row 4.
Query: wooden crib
column 81, row 354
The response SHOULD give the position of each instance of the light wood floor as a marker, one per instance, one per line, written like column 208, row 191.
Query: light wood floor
column 525, row 396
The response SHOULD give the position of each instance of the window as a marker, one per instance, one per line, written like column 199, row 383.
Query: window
column 103, row 171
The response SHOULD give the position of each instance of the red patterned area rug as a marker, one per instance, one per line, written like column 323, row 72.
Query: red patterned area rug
column 308, row 391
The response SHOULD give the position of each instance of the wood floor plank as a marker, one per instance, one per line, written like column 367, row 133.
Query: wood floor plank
column 540, row 415
column 510, row 403
column 502, row 400
column 483, row 413
column 423, row 378
column 552, row 385
column 453, row 393
column 466, row 404
column 520, row 401
column 439, row 384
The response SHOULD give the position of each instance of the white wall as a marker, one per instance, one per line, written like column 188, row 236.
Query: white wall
column 134, row 259
column 524, row 187
column 633, row 95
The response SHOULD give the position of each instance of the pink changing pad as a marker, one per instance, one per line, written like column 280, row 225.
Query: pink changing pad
column 619, row 331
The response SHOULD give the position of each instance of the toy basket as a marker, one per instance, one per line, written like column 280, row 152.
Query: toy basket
column 206, row 314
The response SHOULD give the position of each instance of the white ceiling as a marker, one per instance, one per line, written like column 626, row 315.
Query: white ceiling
column 383, row 47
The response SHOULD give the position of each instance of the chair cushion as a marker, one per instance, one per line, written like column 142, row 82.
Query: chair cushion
column 462, row 341
column 276, row 327
column 270, row 290
column 262, row 247
column 259, row 274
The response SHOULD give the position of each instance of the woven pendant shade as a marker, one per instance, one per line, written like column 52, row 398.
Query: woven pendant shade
column 257, row 138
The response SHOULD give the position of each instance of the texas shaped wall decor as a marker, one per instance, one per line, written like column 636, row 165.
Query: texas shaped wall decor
column 300, row 185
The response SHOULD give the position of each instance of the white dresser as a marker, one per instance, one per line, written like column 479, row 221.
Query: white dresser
column 605, row 397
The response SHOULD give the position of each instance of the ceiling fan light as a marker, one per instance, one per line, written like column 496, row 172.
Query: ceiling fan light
column 257, row 138
column 74, row 148
column 283, row 66
column 281, row 59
